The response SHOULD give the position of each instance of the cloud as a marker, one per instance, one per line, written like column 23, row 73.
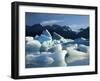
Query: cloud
column 50, row 22
column 79, row 25
column 75, row 27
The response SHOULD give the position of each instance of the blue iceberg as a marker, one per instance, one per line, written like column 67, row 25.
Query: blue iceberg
column 53, row 51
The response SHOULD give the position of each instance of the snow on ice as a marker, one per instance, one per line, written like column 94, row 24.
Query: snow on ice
column 51, row 51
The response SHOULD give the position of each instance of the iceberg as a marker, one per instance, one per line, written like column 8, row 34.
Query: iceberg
column 46, row 59
column 38, row 60
column 50, row 51
column 56, row 41
column 43, row 48
column 82, row 41
column 28, row 38
column 59, row 58
column 55, row 48
column 48, row 44
column 62, row 40
column 83, row 48
column 46, row 33
column 67, row 46
column 32, row 46
column 75, row 56
column 57, row 36
column 79, row 62
column 45, row 36
column 36, row 37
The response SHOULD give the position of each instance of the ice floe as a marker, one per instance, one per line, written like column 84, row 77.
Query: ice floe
column 51, row 51
column 32, row 46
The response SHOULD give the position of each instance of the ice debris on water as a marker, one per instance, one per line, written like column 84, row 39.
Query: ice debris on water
column 49, row 50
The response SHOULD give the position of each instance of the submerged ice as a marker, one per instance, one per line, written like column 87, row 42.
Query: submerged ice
column 54, row 50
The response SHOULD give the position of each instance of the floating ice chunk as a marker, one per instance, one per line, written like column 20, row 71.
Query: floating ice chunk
column 45, row 36
column 35, row 53
column 82, row 41
column 42, row 51
column 29, row 58
column 46, row 33
column 43, row 48
column 63, row 54
column 46, row 59
column 33, row 46
column 48, row 44
column 57, row 36
column 43, row 60
column 28, row 38
column 67, row 46
column 36, row 37
column 74, row 55
column 67, row 42
column 83, row 48
column 45, row 53
column 56, row 41
column 37, row 60
column 70, row 40
column 62, row 40
column 55, row 48
column 59, row 58
column 74, row 46
column 79, row 62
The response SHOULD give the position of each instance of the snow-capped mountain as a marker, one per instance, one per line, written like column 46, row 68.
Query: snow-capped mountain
column 64, row 31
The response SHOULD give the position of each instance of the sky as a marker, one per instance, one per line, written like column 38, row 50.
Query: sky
column 74, row 21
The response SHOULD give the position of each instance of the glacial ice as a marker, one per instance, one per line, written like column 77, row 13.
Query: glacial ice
column 46, row 33
column 28, row 38
column 74, row 55
column 82, row 41
column 51, row 51
column 38, row 59
column 32, row 46
column 36, row 37
column 47, row 59
column 56, row 48
column 45, row 36
column 83, row 48
column 67, row 46
column 57, row 36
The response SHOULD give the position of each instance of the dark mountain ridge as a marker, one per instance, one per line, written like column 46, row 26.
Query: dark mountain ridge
column 64, row 31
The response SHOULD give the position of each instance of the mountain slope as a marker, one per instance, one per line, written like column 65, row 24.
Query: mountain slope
column 64, row 31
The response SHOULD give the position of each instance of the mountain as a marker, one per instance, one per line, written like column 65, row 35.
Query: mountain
column 84, row 33
column 64, row 31
column 34, row 30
